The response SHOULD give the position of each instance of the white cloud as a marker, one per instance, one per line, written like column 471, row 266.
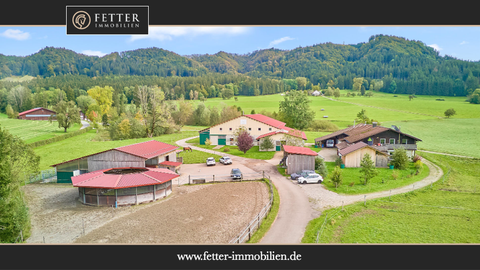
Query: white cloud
column 463, row 42
column 168, row 33
column 435, row 46
column 280, row 40
column 15, row 34
column 93, row 53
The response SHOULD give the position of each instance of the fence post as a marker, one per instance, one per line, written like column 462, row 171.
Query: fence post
column 189, row 179
column 214, row 178
column 364, row 200
column 342, row 206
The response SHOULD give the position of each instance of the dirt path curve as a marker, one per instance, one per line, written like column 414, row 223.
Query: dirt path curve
column 445, row 154
column 295, row 211
column 301, row 203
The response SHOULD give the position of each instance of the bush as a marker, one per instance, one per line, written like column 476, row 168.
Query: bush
column 208, row 142
column 418, row 166
column 266, row 144
column 226, row 149
column 337, row 176
column 338, row 161
column 321, row 167
column 416, row 158
column 400, row 159
column 440, row 99
column 323, row 125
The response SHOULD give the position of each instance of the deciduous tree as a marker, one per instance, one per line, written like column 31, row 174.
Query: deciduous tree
column 450, row 112
column 368, row 169
column 67, row 114
column 244, row 141
column 295, row 110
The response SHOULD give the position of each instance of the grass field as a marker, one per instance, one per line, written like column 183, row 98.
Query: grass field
column 83, row 145
column 32, row 131
column 454, row 136
column 353, row 175
column 196, row 157
column 448, row 212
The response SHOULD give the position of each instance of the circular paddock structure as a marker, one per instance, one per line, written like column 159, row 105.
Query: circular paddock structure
column 124, row 186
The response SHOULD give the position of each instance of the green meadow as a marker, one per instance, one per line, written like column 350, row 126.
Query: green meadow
column 32, row 131
column 446, row 212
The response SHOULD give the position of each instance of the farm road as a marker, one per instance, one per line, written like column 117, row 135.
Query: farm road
column 301, row 203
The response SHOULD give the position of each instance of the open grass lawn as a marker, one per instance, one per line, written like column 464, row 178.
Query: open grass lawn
column 454, row 136
column 196, row 157
column 449, row 212
column 252, row 153
column 31, row 131
column 353, row 175
column 83, row 145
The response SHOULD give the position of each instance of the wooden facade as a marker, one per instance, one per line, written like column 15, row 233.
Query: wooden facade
column 113, row 159
column 353, row 159
column 297, row 163
column 36, row 114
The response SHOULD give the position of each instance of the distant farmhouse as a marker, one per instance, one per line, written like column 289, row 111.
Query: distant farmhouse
column 378, row 141
column 36, row 114
column 257, row 125
column 152, row 154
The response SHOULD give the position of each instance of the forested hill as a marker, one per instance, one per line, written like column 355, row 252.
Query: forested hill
column 404, row 66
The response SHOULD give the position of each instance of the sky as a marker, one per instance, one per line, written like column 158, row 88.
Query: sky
column 457, row 41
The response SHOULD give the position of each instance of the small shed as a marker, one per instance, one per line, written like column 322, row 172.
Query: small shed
column 352, row 155
column 124, row 186
column 37, row 114
column 299, row 158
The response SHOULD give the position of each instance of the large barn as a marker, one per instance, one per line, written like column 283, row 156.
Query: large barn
column 124, row 186
column 152, row 154
column 36, row 114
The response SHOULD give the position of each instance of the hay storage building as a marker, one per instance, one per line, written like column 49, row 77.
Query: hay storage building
column 36, row 114
column 298, row 158
column 152, row 153
column 124, row 186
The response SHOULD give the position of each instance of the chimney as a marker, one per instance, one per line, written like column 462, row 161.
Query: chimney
column 374, row 124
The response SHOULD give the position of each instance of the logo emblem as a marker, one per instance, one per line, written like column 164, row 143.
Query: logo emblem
column 81, row 20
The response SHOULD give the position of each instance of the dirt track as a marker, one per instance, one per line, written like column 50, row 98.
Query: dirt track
column 191, row 214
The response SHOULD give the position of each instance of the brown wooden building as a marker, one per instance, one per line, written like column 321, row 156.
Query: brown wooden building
column 298, row 158
column 36, row 114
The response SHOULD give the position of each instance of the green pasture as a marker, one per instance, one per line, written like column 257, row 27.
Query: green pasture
column 454, row 136
column 33, row 130
column 383, row 181
column 446, row 212
column 254, row 152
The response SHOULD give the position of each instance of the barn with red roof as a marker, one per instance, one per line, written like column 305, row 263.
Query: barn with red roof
column 37, row 114
column 152, row 154
column 259, row 126
column 297, row 158
column 124, row 186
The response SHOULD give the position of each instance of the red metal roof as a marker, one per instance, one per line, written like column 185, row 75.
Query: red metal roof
column 100, row 179
column 148, row 149
column 266, row 120
column 289, row 131
column 297, row 150
column 34, row 109
column 170, row 163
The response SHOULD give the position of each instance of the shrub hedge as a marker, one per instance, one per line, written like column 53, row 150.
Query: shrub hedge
column 60, row 137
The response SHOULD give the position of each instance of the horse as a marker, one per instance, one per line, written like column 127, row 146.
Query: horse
column 187, row 149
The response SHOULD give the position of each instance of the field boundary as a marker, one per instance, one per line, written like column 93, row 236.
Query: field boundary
column 60, row 137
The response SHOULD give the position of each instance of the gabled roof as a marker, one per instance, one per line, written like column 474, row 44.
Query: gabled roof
column 297, row 150
column 100, row 179
column 258, row 117
column 287, row 131
column 359, row 132
column 357, row 146
column 34, row 109
column 146, row 150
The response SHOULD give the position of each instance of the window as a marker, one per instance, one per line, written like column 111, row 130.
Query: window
column 230, row 129
column 269, row 129
column 249, row 129
column 383, row 141
column 391, row 141
column 243, row 121
column 220, row 129
column 404, row 141
column 259, row 129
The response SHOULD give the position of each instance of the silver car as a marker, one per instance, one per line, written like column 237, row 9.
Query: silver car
column 225, row 160
column 311, row 178
column 210, row 161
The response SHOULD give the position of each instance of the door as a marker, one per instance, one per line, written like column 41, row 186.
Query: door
column 222, row 140
column 278, row 146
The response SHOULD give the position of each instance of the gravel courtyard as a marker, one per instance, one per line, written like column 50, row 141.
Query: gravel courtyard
column 197, row 214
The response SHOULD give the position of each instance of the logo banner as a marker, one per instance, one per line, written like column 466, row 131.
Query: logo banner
column 107, row 20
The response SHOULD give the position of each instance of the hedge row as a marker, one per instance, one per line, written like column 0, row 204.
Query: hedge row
column 60, row 137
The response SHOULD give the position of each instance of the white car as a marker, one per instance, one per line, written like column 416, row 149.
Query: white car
column 311, row 178
column 210, row 161
column 225, row 160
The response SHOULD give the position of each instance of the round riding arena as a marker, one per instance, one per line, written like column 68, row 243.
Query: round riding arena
column 124, row 186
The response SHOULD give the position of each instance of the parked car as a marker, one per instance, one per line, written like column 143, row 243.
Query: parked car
column 210, row 161
column 236, row 174
column 225, row 160
column 295, row 176
column 311, row 178
column 330, row 143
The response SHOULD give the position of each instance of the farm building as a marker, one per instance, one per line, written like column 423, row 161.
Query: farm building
column 298, row 158
column 352, row 155
column 279, row 137
column 381, row 138
column 151, row 154
column 124, row 186
column 36, row 114
column 316, row 93
column 257, row 125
